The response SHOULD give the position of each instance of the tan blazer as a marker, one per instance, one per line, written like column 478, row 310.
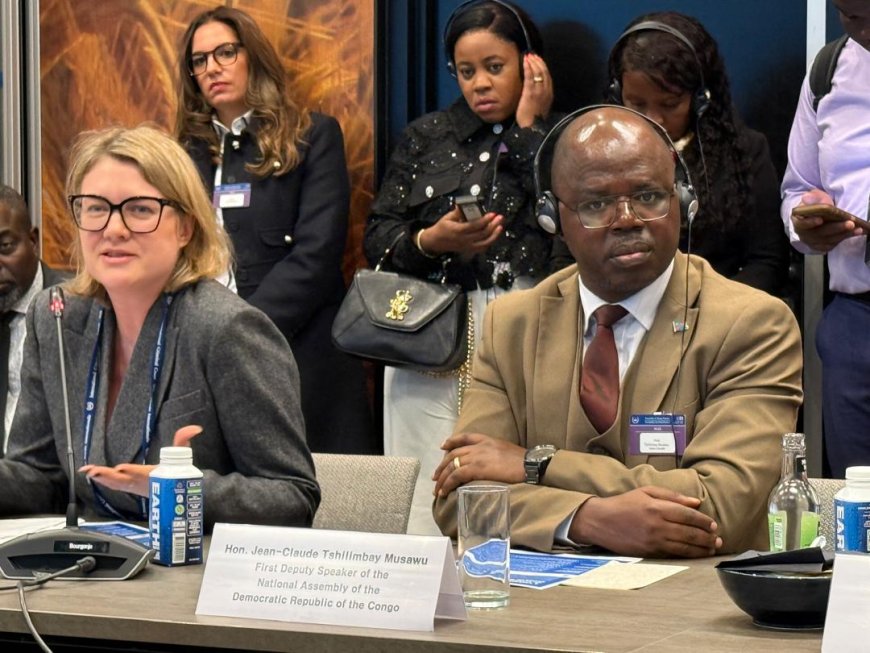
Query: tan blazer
column 739, row 388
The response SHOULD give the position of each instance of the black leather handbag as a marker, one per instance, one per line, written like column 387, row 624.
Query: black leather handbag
column 403, row 321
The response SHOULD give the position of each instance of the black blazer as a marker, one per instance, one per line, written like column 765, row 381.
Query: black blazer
column 288, row 246
column 753, row 248
column 448, row 153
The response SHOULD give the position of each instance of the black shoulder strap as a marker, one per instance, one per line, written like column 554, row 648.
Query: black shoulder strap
column 822, row 70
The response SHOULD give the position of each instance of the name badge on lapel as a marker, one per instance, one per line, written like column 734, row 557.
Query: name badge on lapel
column 657, row 434
column 232, row 196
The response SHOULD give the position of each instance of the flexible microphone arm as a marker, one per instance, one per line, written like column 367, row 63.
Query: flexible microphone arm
column 57, row 553
column 56, row 304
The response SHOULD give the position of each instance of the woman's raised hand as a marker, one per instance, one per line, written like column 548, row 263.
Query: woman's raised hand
column 537, row 95
column 133, row 478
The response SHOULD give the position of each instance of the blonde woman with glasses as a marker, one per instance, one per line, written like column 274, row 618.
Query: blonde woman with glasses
column 157, row 353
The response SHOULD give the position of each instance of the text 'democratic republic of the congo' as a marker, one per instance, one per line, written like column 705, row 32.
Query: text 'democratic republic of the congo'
column 323, row 577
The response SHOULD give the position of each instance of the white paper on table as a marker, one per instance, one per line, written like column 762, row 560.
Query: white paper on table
column 619, row 576
column 12, row 528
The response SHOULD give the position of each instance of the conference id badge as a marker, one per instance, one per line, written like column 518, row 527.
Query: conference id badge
column 232, row 196
column 657, row 434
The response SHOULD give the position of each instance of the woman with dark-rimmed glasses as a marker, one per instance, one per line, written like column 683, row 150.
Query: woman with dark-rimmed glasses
column 157, row 353
column 278, row 180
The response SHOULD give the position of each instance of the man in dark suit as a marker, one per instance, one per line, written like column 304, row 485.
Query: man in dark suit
column 22, row 276
column 715, row 361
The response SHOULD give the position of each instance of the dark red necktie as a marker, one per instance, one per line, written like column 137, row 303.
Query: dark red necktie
column 599, row 378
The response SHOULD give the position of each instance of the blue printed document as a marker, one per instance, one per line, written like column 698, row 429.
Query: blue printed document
column 543, row 570
column 123, row 529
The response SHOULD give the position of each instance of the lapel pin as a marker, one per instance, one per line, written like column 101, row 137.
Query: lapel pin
column 680, row 326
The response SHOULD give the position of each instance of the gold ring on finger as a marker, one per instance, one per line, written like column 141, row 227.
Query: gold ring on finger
column 457, row 463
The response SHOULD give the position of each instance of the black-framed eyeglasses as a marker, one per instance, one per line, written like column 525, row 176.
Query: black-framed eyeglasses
column 647, row 205
column 223, row 55
column 141, row 215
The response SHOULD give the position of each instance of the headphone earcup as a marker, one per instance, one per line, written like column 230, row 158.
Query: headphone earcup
column 614, row 92
column 702, row 102
column 688, row 201
column 547, row 212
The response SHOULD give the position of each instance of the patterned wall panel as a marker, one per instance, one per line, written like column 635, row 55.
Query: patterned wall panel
column 113, row 62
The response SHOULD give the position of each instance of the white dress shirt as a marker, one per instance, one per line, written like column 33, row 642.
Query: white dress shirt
column 17, row 333
column 628, row 333
column 829, row 149
column 239, row 125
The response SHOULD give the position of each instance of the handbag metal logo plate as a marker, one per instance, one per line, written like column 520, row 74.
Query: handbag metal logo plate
column 399, row 305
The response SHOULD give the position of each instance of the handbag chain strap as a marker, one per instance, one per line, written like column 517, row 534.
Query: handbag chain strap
column 463, row 372
column 465, row 368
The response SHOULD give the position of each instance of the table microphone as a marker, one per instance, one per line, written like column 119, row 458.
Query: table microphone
column 30, row 556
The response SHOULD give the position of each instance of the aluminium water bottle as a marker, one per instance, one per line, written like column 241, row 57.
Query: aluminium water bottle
column 176, row 508
column 793, row 506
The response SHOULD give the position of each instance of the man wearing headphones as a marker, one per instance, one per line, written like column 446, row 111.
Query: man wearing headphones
column 635, row 401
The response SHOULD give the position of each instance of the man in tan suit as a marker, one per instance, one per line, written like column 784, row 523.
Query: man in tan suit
column 721, row 356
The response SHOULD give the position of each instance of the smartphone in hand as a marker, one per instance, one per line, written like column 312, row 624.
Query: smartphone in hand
column 829, row 213
column 470, row 206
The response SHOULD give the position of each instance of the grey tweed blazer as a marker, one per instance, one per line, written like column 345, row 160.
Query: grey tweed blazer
column 226, row 367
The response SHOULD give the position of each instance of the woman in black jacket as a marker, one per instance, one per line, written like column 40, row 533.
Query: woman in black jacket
column 668, row 67
column 481, row 146
column 279, row 183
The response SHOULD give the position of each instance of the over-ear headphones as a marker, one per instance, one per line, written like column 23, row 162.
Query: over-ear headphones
column 701, row 96
column 547, row 206
column 468, row 5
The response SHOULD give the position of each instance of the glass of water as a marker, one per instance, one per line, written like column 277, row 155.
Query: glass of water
column 484, row 545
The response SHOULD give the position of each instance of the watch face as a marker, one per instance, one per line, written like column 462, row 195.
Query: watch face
column 540, row 453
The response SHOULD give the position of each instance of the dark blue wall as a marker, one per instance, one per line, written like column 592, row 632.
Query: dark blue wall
column 753, row 51
column 762, row 43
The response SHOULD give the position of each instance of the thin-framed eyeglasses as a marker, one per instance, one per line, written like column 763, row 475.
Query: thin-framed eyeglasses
column 647, row 205
column 140, row 214
column 223, row 55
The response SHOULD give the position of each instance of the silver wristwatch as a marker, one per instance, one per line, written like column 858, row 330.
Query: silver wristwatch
column 536, row 461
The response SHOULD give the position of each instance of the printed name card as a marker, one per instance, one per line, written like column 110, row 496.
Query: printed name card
column 374, row 580
column 846, row 625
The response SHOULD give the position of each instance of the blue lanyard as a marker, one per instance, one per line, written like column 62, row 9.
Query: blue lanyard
column 92, row 393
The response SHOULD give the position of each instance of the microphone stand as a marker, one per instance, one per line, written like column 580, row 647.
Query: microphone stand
column 30, row 556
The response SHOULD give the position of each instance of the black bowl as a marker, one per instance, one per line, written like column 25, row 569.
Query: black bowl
column 779, row 600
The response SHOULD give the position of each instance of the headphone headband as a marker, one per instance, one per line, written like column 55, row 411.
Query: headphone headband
column 547, row 207
column 656, row 26
column 701, row 99
column 468, row 5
